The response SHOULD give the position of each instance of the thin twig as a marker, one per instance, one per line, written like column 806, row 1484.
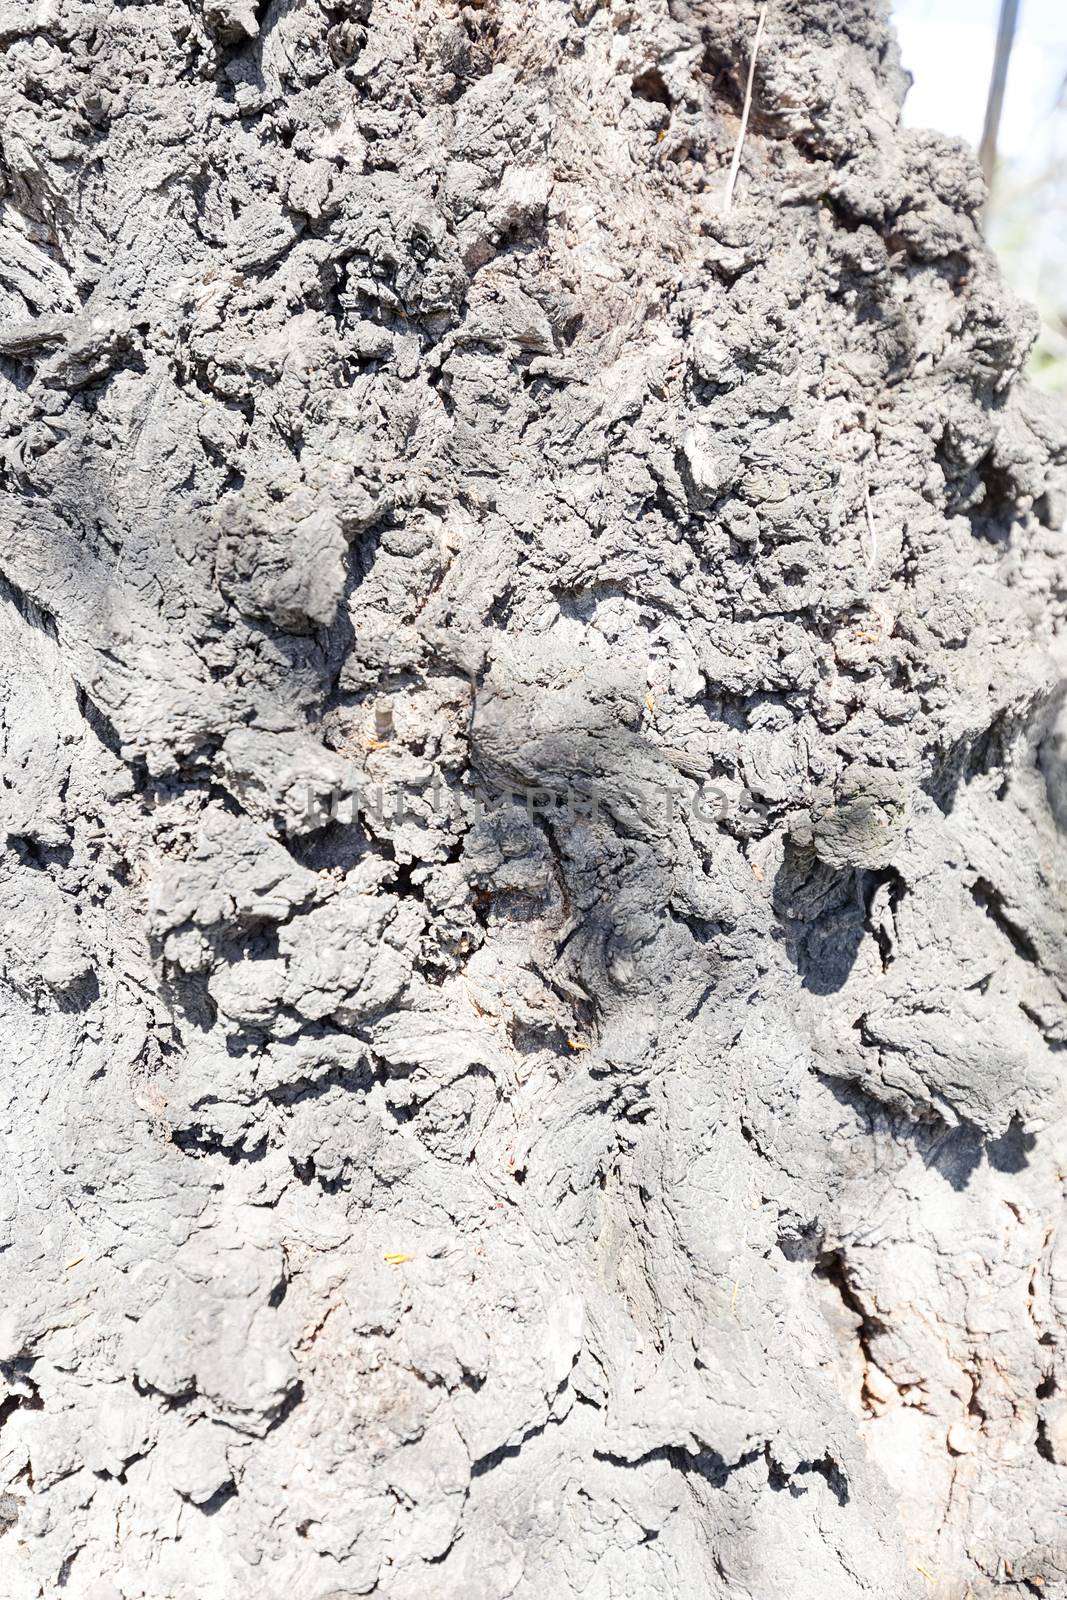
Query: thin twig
column 735, row 164
column 873, row 557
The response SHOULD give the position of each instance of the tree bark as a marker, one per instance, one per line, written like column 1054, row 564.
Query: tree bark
column 533, row 931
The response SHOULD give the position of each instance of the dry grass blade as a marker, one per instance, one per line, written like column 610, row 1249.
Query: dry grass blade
column 735, row 164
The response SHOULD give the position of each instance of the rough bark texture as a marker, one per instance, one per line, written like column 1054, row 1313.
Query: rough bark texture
column 495, row 1200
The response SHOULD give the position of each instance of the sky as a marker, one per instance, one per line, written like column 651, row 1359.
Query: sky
column 948, row 46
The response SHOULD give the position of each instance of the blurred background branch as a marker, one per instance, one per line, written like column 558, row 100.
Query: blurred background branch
column 987, row 150
column 994, row 73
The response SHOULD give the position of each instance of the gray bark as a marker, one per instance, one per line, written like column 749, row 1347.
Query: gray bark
column 532, row 927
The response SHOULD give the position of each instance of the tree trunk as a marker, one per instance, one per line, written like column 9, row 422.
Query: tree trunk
column 533, row 932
